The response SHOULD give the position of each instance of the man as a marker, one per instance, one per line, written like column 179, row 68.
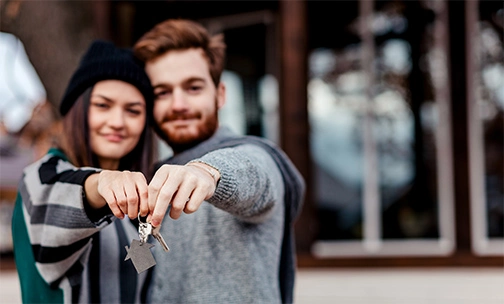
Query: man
column 234, row 198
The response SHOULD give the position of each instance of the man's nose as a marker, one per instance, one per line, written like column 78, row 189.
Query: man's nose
column 179, row 100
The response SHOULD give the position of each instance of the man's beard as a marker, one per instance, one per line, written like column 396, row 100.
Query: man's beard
column 180, row 143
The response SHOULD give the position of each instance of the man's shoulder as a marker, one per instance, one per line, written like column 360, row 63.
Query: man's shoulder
column 237, row 140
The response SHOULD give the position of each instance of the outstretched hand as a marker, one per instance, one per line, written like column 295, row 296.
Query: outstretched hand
column 182, row 187
column 125, row 192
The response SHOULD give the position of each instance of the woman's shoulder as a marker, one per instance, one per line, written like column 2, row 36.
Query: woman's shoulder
column 57, row 152
column 54, row 156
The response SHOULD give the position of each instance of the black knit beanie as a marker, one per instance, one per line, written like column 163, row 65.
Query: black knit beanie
column 103, row 61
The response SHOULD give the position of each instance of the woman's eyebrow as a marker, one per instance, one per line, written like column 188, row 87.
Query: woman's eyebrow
column 129, row 103
column 101, row 96
column 135, row 103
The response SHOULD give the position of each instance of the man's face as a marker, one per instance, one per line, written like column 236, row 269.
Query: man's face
column 186, row 99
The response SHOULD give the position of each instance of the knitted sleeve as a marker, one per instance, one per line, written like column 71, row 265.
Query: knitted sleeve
column 250, row 185
column 58, row 225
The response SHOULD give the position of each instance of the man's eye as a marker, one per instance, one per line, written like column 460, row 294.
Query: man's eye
column 160, row 94
column 195, row 88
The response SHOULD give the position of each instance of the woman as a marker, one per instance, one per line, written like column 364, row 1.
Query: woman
column 69, row 246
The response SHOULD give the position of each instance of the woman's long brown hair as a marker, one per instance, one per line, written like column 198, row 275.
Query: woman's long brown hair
column 75, row 141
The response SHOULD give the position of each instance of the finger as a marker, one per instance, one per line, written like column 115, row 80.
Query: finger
column 176, row 210
column 132, row 199
column 180, row 202
column 121, row 201
column 155, row 186
column 181, row 198
column 109, row 197
column 143, row 195
column 195, row 200
column 163, row 200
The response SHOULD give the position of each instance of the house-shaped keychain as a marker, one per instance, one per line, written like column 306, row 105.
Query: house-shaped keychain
column 140, row 255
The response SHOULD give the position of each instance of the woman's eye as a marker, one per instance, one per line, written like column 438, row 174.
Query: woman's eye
column 134, row 111
column 100, row 105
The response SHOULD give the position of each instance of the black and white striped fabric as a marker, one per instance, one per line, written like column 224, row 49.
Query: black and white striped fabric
column 74, row 248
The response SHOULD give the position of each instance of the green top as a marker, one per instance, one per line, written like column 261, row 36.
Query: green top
column 33, row 287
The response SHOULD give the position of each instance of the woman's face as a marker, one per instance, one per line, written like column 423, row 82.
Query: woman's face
column 116, row 119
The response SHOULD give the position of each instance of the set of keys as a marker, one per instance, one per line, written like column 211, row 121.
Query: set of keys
column 139, row 251
column 146, row 229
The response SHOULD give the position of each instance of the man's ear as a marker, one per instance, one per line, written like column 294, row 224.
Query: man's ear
column 221, row 95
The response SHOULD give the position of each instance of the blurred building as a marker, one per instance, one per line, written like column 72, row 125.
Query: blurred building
column 22, row 101
column 392, row 110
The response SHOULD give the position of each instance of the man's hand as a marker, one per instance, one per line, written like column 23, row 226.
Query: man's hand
column 184, row 187
column 125, row 192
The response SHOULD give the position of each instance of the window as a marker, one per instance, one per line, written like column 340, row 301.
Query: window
column 378, row 104
column 486, row 127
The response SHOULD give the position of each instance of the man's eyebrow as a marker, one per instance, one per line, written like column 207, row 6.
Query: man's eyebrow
column 192, row 79
column 185, row 81
column 161, row 85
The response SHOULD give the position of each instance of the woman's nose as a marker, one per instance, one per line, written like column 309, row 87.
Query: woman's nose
column 116, row 118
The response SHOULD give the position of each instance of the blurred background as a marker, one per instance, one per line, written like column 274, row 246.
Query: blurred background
column 391, row 110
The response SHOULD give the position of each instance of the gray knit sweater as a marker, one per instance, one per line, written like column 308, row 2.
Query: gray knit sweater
column 229, row 250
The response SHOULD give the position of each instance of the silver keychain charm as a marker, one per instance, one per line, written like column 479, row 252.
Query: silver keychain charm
column 139, row 251
column 140, row 255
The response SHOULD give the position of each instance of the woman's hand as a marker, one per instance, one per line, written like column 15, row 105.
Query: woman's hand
column 125, row 192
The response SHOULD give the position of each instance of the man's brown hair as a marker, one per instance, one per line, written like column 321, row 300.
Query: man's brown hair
column 182, row 34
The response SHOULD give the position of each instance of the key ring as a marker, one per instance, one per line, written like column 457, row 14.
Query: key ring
column 144, row 230
column 140, row 221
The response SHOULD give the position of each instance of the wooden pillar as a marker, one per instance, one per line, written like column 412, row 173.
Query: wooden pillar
column 293, row 107
column 458, row 70
column 101, row 15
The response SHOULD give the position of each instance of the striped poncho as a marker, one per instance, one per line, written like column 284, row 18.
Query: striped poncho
column 66, row 252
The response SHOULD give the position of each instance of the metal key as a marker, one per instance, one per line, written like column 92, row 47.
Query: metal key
column 144, row 230
column 155, row 233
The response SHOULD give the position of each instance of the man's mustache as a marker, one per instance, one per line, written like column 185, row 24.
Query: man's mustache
column 183, row 116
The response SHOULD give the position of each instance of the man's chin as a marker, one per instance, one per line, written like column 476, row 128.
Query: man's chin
column 182, row 143
column 180, row 137
column 183, row 138
column 181, row 146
